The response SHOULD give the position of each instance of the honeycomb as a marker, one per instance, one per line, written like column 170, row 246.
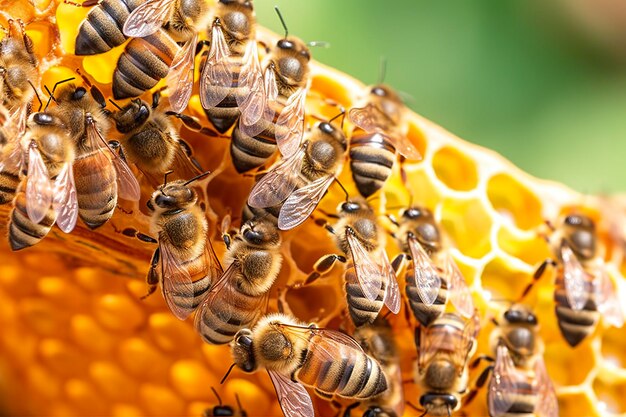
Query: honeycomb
column 77, row 340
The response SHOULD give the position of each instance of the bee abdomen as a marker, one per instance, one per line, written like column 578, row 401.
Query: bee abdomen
column 144, row 62
column 96, row 193
column 201, row 286
column 523, row 400
column 250, row 152
column 575, row 325
column 361, row 309
column 371, row 164
column 269, row 213
column 8, row 185
column 351, row 374
column 426, row 314
column 102, row 28
column 23, row 233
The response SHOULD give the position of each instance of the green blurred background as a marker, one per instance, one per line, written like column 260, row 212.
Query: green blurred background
column 541, row 82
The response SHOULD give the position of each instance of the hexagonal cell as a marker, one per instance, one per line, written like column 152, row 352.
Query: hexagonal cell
column 614, row 347
column 304, row 253
column 468, row 225
column 514, row 201
column 419, row 186
column 330, row 89
column 313, row 302
column 610, row 396
column 503, row 281
column 531, row 250
column 456, row 170
column 577, row 405
column 560, row 358
column 417, row 138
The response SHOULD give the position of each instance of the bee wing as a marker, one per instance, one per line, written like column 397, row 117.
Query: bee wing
column 147, row 18
column 460, row 294
column 251, row 104
column 392, row 291
column 504, row 383
column 403, row 145
column 302, row 202
column 275, row 186
column 216, row 71
column 292, row 119
column 293, row 398
column 338, row 337
column 65, row 202
column 12, row 158
column 261, row 125
column 575, row 279
column 16, row 123
column 38, row 187
column 370, row 119
column 270, row 85
column 608, row 300
column 180, row 76
column 367, row 270
column 176, row 282
column 427, row 280
column 547, row 405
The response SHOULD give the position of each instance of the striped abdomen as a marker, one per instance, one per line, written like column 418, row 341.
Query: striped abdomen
column 425, row 314
column 9, row 182
column 23, row 233
column 225, row 114
column 201, row 282
column 371, row 161
column 575, row 325
column 349, row 373
column 96, row 188
column 523, row 399
column 144, row 62
column 102, row 28
column 361, row 309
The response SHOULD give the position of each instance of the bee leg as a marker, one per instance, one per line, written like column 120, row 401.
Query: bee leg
column 189, row 152
column 86, row 3
column 479, row 359
column 398, row 262
column 348, row 410
column 537, row 275
column 480, row 382
column 323, row 266
column 201, row 45
column 146, row 238
column 153, row 275
column 192, row 124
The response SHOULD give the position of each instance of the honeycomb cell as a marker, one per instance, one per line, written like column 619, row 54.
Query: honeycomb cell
column 304, row 254
column 159, row 400
column 514, row 201
column 119, row 313
column 577, row 405
column 112, row 382
column 529, row 248
column 310, row 303
column 62, row 292
column 417, row 137
column 331, row 90
column 84, row 398
column 468, row 225
column 254, row 400
column 610, row 395
column 454, row 169
column 62, row 358
column 43, row 316
column 503, row 281
column 613, row 346
column 89, row 335
column 41, row 381
column 141, row 359
column 191, row 379
column 171, row 334
column 561, row 358
column 419, row 188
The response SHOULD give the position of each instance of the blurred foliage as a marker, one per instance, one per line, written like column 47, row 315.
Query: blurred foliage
column 543, row 83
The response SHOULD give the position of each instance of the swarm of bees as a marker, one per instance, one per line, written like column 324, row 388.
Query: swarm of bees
column 73, row 158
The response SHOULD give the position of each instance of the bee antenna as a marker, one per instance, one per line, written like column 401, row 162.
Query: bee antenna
column 282, row 21
column 36, row 95
column 84, row 77
column 165, row 177
column 50, row 97
column 343, row 113
column 318, row 44
column 219, row 400
column 382, row 69
column 227, row 373
column 406, row 97
column 197, row 177
column 115, row 104
column 343, row 188
column 238, row 401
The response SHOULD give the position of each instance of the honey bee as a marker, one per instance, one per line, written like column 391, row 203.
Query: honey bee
column 369, row 278
column 286, row 82
column 239, row 296
column 377, row 341
column 434, row 276
column 584, row 291
column 380, row 131
column 298, row 183
column 101, row 175
column 151, row 141
column 188, row 264
column 296, row 355
column 47, row 194
column 444, row 347
column 520, row 384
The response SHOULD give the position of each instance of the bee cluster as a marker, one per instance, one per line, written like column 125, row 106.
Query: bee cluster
column 76, row 156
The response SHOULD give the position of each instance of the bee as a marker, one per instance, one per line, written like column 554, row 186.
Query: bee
column 377, row 341
column 101, row 30
column 520, row 384
column 47, row 193
column 444, row 348
column 151, row 141
column 370, row 279
column 101, row 175
column 238, row 298
column 380, row 131
column 184, row 263
column 434, row 276
column 298, row 183
column 286, row 82
column 584, row 291
column 296, row 355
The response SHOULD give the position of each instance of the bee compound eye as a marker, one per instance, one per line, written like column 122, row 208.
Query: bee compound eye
column 285, row 44
column 79, row 93
column 42, row 118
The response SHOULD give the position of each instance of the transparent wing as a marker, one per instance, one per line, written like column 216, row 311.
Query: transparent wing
column 503, row 385
column 293, row 398
column 147, row 18
column 608, row 299
column 252, row 104
column 261, row 125
column 176, row 282
column 291, row 123
column 367, row 270
column 547, row 404
column 575, row 279
column 392, row 290
column 404, row 146
column 16, row 124
column 65, row 202
column 338, row 337
column 180, row 76
column 38, row 187
column 427, row 280
column 216, row 78
column 302, row 202
column 460, row 294
column 270, row 85
column 275, row 186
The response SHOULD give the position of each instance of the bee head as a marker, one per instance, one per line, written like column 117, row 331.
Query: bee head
column 173, row 195
column 260, row 232
column 580, row 233
column 439, row 404
column 237, row 20
column 132, row 116
column 242, row 351
column 520, row 314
